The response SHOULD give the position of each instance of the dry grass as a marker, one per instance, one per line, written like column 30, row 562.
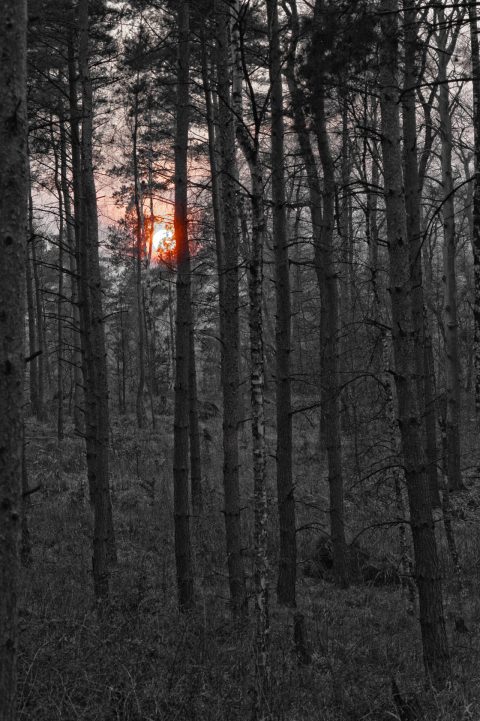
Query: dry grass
column 144, row 662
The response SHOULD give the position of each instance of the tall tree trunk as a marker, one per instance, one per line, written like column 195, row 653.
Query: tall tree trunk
column 195, row 455
column 95, row 368
column 78, row 401
column 427, row 572
column 32, row 334
column 60, row 296
column 250, row 147
column 183, row 550
column 37, row 299
column 472, row 14
column 140, row 251
column 229, row 316
column 328, row 284
column 287, row 575
column 452, row 363
column 13, row 239
column 412, row 202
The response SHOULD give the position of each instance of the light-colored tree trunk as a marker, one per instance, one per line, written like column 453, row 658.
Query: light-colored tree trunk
column 13, row 240
column 427, row 572
column 249, row 143
column 287, row 575
column 183, row 550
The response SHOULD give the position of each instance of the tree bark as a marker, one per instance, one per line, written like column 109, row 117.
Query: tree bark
column 183, row 551
column 140, row 252
column 13, row 240
column 95, row 367
column 427, row 573
column 412, row 202
column 473, row 19
column 229, row 312
column 287, row 575
column 452, row 364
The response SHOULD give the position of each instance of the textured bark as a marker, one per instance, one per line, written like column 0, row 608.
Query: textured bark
column 78, row 400
column 32, row 334
column 95, row 368
column 472, row 14
column 286, row 584
column 229, row 325
column 427, row 573
column 250, row 147
column 322, row 231
column 13, row 240
column 412, row 202
column 194, row 433
column 60, row 297
column 139, row 253
column 37, row 301
column 183, row 550
column 452, row 363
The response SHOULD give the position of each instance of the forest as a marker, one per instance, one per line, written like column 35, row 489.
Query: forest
column 239, row 360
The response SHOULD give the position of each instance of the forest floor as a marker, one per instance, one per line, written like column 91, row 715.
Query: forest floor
column 143, row 661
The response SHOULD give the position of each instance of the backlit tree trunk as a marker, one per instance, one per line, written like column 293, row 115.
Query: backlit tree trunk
column 95, row 367
column 427, row 572
column 183, row 550
column 13, row 239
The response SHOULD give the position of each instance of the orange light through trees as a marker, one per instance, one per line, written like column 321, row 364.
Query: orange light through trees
column 163, row 242
column 161, row 236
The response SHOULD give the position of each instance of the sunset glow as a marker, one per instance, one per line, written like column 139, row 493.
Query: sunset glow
column 163, row 242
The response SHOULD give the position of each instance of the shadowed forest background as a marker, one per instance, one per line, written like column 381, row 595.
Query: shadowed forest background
column 239, row 360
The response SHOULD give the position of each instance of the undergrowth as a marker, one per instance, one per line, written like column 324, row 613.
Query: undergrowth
column 143, row 661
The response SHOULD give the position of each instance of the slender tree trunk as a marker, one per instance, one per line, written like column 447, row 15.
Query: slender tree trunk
column 13, row 240
column 452, row 364
column 195, row 455
column 472, row 14
column 140, row 252
column 183, row 550
column 32, row 335
column 250, row 149
column 96, row 382
column 38, row 315
column 60, row 297
column 427, row 572
column 328, row 283
column 412, row 202
column 287, row 575
column 229, row 313
column 78, row 401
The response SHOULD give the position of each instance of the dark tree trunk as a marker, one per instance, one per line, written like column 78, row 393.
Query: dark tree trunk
column 13, row 240
column 93, row 334
column 287, row 575
column 229, row 321
column 472, row 14
column 183, row 550
column 415, row 239
column 427, row 572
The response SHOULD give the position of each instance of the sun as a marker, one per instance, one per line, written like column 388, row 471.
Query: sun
column 163, row 240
